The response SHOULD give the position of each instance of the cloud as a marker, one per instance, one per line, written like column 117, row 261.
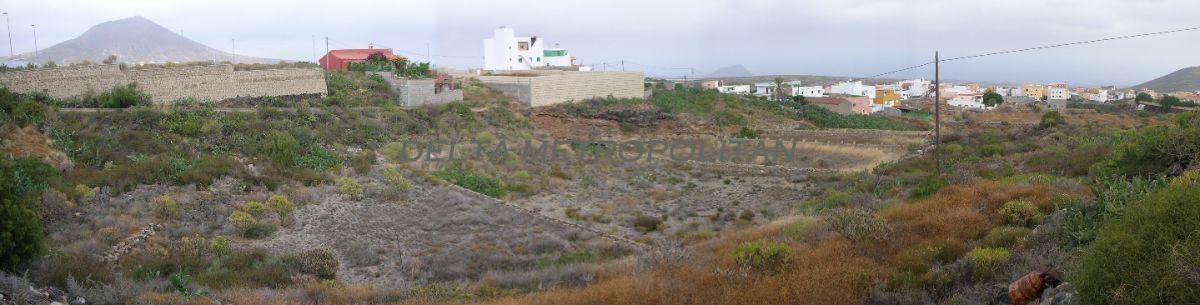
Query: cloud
column 825, row 37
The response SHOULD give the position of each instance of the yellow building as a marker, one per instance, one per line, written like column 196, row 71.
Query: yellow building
column 1037, row 92
column 887, row 97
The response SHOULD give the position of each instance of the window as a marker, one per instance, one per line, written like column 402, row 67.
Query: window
column 523, row 46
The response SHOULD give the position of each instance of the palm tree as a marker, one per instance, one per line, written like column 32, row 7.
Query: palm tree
column 781, row 94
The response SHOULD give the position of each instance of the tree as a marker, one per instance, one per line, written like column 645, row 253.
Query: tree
column 111, row 59
column 1169, row 101
column 1143, row 97
column 781, row 93
column 992, row 99
column 22, row 181
column 1051, row 119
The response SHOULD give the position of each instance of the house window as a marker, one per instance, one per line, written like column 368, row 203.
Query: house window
column 539, row 59
column 523, row 46
column 521, row 60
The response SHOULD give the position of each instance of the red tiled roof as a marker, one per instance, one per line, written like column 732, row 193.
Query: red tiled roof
column 361, row 54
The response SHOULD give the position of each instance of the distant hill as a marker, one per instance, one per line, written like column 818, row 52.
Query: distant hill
column 133, row 40
column 731, row 71
column 1186, row 79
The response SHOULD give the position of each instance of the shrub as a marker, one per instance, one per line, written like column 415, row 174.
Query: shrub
column 1051, row 119
column 1155, row 151
column 84, row 192
column 1135, row 259
column 22, row 181
column 166, row 207
column 762, row 255
column 747, row 133
column 259, row 230
column 800, row 230
column 318, row 262
column 281, row 147
column 1004, row 237
column 928, row 187
column 359, row 253
column 242, row 221
column 280, row 205
column 1021, row 213
column 396, row 179
column 857, row 224
column 472, row 181
column 647, row 224
column 122, row 97
column 219, row 245
column 397, row 152
column 349, row 187
column 985, row 262
column 254, row 208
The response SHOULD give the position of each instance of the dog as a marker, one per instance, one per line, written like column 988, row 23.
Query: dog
column 1029, row 287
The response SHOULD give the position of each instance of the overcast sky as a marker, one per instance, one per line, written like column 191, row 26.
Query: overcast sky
column 821, row 37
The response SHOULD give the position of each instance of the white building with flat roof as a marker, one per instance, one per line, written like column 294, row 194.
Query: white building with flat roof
column 506, row 51
column 811, row 91
column 734, row 89
column 853, row 88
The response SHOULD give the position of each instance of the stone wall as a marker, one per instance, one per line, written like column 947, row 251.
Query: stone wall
column 420, row 92
column 210, row 83
column 553, row 87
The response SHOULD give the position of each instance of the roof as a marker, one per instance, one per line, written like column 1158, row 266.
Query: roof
column 360, row 54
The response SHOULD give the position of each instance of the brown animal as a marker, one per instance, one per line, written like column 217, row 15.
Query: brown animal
column 1030, row 287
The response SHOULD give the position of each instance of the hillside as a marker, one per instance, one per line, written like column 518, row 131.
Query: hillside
column 134, row 40
column 1186, row 79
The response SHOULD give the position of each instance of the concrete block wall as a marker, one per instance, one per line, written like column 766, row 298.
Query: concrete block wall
column 419, row 92
column 209, row 83
column 554, row 87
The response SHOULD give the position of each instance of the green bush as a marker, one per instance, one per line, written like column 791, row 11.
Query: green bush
column 986, row 262
column 1051, row 119
column 928, row 186
column 166, row 207
column 280, row 205
column 242, row 221
column 397, row 152
column 219, row 245
column 472, row 181
column 747, row 133
column 647, row 224
column 349, row 187
column 1021, row 213
column 22, row 181
column 762, row 255
column 1005, row 237
column 1156, row 150
column 254, row 208
column 122, row 97
column 318, row 262
column 1143, row 256
column 857, row 224
column 319, row 159
column 396, row 179
column 29, row 113
column 281, row 147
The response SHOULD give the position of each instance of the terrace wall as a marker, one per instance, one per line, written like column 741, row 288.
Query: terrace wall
column 211, row 83
column 545, row 88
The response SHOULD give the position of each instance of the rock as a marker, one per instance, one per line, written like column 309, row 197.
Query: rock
column 797, row 178
column 79, row 301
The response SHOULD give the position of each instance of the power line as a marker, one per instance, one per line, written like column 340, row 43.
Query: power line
column 1036, row 48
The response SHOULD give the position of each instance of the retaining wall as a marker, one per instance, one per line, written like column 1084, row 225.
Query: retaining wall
column 210, row 83
column 561, row 86
column 418, row 92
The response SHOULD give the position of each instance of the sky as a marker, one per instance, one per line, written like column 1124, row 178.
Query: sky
column 851, row 38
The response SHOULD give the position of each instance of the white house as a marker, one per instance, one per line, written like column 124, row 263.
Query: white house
column 853, row 88
column 1097, row 95
column 506, row 51
column 734, row 89
column 812, row 91
column 764, row 89
column 1058, row 91
column 968, row 100
column 915, row 87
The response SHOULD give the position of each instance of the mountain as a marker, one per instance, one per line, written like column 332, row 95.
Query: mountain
column 133, row 40
column 731, row 71
column 1186, row 79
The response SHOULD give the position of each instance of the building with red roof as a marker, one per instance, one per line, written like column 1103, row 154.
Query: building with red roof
column 337, row 59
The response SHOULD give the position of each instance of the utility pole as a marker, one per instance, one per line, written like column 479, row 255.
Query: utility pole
column 622, row 65
column 9, row 27
column 428, row 54
column 35, row 47
column 313, row 38
column 937, row 111
column 233, row 42
column 326, row 49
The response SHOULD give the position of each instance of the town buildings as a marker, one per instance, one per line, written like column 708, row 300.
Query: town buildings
column 1037, row 92
column 1057, row 91
column 809, row 92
